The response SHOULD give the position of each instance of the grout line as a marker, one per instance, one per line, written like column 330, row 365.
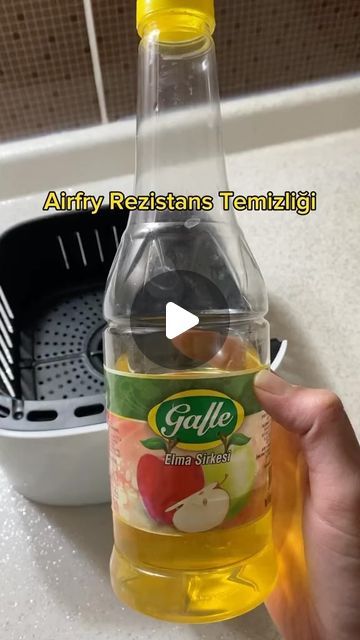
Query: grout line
column 91, row 32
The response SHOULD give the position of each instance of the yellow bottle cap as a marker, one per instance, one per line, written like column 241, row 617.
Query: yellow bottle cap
column 170, row 16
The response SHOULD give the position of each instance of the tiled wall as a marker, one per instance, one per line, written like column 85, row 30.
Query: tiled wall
column 47, row 80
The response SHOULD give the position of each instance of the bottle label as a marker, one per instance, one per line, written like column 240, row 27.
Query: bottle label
column 187, row 454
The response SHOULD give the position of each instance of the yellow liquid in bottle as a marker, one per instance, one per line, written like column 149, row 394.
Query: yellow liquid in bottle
column 202, row 577
column 197, row 577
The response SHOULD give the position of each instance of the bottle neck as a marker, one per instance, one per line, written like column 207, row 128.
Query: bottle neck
column 179, row 139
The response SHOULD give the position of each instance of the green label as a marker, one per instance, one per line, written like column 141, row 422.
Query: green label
column 131, row 396
column 188, row 454
column 196, row 419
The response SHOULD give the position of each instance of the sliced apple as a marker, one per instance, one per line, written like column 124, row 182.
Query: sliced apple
column 202, row 511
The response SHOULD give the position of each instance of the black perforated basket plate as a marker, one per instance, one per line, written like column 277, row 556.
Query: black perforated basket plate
column 52, row 277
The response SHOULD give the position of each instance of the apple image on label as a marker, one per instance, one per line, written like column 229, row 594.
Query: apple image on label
column 202, row 511
column 162, row 485
column 240, row 474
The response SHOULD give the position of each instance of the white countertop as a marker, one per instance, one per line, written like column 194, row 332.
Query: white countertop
column 54, row 561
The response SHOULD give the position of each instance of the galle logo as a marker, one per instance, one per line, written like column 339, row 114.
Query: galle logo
column 196, row 419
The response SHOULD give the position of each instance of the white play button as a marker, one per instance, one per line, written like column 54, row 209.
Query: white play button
column 178, row 320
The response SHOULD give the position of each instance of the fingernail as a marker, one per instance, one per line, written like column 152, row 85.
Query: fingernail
column 269, row 382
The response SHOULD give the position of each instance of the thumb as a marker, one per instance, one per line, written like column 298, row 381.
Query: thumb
column 327, row 438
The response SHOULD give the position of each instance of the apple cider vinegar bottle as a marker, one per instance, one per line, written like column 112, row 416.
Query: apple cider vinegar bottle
column 186, row 333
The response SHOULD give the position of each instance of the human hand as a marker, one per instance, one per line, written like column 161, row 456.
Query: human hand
column 316, row 485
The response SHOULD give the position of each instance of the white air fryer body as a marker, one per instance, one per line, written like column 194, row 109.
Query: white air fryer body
column 62, row 467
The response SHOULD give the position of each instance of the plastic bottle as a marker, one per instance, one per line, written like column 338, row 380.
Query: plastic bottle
column 189, row 444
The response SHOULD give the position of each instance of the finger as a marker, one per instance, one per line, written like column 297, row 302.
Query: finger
column 327, row 439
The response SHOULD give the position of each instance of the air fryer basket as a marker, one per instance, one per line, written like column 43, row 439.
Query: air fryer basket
column 52, row 276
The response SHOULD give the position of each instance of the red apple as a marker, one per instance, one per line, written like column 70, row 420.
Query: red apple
column 162, row 485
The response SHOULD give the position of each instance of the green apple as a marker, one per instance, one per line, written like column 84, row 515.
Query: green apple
column 236, row 477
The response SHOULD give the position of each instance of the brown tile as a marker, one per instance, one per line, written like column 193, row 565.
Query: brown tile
column 261, row 45
column 117, row 42
column 264, row 45
column 46, row 76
